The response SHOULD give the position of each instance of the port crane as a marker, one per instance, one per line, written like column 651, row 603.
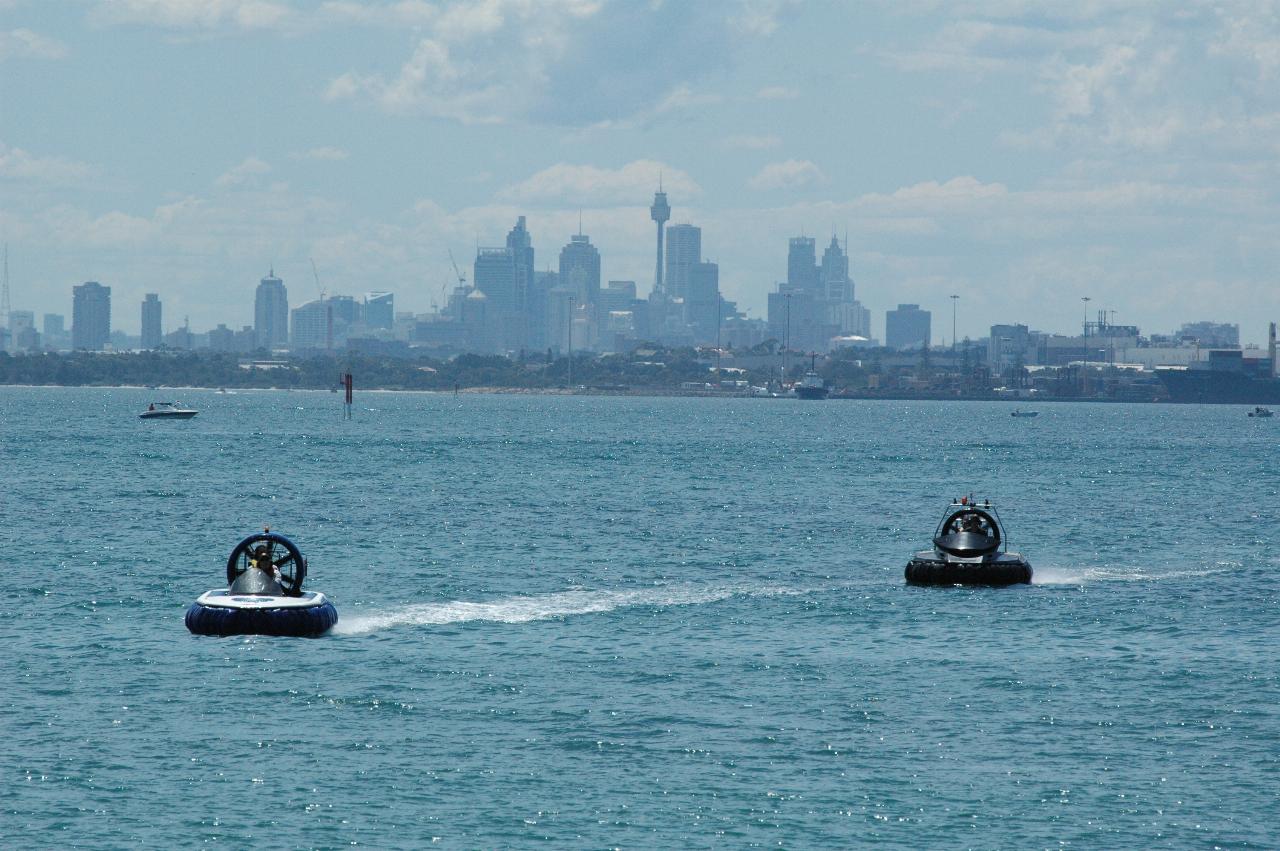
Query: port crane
column 328, row 310
column 462, row 279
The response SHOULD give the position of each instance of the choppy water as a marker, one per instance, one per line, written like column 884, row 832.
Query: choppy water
column 592, row 622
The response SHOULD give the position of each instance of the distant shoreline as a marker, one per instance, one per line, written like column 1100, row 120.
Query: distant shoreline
column 639, row 392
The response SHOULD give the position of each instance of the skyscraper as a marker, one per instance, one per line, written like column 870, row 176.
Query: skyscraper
column 580, row 269
column 271, row 312
column 151, row 331
column 834, row 273
column 379, row 310
column 90, row 316
column 702, row 300
column 23, row 336
column 520, row 243
column 802, row 264
column 494, row 274
column 684, row 251
column 660, row 212
column 907, row 327
column 312, row 325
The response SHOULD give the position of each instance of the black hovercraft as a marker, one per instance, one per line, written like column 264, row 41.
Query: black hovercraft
column 264, row 594
column 968, row 549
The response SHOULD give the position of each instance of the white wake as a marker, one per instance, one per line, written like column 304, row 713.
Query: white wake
column 546, row 606
column 1082, row 575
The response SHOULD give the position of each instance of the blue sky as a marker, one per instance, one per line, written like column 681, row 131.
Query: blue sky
column 1023, row 155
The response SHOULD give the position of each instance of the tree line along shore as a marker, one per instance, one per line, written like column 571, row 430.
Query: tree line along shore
column 851, row 373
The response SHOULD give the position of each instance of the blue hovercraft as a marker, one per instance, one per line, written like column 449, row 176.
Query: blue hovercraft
column 969, row 548
column 264, row 594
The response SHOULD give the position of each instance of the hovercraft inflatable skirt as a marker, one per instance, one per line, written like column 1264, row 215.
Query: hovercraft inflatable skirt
column 927, row 571
column 224, row 613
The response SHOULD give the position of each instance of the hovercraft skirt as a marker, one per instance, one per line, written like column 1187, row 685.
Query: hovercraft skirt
column 302, row 622
column 989, row 573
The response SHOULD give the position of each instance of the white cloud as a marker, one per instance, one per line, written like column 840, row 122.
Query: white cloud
column 407, row 13
column 243, row 173
column 752, row 143
column 477, row 62
column 758, row 17
column 568, row 63
column 322, row 154
column 1244, row 38
column 933, row 194
column 578, row 185
column 17, row 164
column 777, row 93
column 23, row 43
column 789, row 174
column 433, row 82
column 196, row 14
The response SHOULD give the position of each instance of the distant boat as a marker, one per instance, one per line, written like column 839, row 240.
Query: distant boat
column 167, row 411
column 1017, row 413
column 811, row 386
column 1261, row 412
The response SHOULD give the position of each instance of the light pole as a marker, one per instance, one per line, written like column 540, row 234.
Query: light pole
column 786, row 342
column 954, row 299
column 570, row 344
column 1084, row 371
column 719, row 304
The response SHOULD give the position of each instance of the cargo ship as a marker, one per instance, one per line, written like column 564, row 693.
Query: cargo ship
column 1226, row 377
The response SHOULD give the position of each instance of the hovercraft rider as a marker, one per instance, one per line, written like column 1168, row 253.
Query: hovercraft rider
column 261, row 576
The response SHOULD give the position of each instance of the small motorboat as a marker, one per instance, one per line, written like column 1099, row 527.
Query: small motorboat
column 1020, row 413
column 167, row 411
column 264, row 594
column 1261, row 412
column 969, row 548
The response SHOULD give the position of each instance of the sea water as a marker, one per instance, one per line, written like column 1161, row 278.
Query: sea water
column 638, row 622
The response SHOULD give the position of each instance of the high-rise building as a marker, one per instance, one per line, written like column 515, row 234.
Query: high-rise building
column 802, row 265
column 907, row 327
column 345, row 309
column 618, row 295
column 90, row 316
column 494, row 274
column 312, row 325
column 271, row 312
column 181, row 339
column 222, row 339
column 702, row 300
column 151, row 330
column 1211, row 334
column 834, row 273
column 379, row 310
column 684, row 251
column 580, row 270
column 538, row 307
column 660, row 212
column 520, row 244
column 23, row 336
column 54, row 325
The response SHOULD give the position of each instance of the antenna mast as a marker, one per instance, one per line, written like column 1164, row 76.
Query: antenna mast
column 4, row 291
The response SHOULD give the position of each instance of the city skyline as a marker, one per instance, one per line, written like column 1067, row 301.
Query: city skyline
column 1023, row 157
column 814, row 309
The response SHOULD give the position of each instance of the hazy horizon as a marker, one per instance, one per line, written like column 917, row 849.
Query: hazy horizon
column 1023, row 156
